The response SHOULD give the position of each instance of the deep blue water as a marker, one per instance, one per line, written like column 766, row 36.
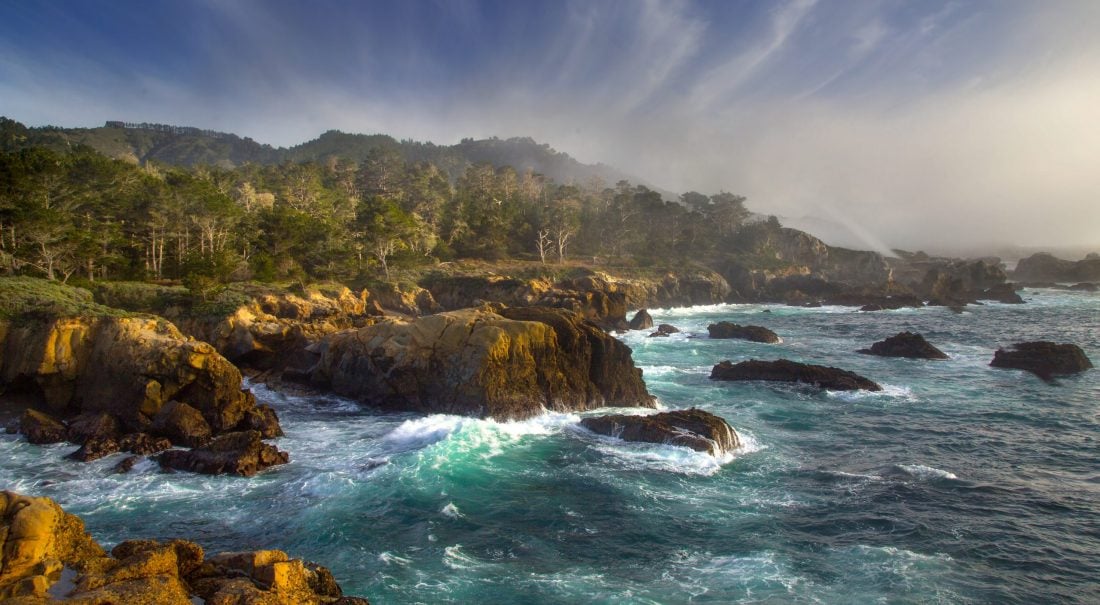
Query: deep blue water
column 960, row 483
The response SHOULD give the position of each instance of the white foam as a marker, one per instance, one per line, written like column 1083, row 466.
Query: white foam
column 451, row 511
column 391, row 559
column 889, row 391
column 454, row 558
column 672, row 458
column 921, row 471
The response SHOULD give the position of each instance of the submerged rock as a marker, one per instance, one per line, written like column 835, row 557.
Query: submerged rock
column 473, row 362
column 784, row 370
column 905, row 344
column 1043, row 358
column 41, row 540
column 694, row 428
column 243, row 453
column 641, row 320
column 726, row 329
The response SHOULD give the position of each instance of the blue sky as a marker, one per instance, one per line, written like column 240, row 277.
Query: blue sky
column 877, row 116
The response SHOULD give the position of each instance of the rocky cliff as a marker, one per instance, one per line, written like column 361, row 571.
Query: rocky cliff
column 475, row 362
column 1043, row 267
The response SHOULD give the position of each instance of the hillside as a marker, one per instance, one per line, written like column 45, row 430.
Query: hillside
column 190, row 147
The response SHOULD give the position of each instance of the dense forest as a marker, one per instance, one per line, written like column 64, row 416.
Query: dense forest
column 76, row 213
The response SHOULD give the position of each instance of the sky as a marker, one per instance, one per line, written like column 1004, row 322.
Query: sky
column 916, row 124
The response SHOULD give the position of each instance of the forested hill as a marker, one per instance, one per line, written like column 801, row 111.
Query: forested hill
column 190, row 147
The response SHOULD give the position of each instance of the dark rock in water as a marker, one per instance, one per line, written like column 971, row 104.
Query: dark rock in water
column 784, row 370
column 725, row 329
column 665, row 330
column 42, row 428
column 641, row 320
column 905, row 344
column 127, row 464
column 872, row 307
column 1043, row 358
column 1045, row 267
column 143, row 444
column 241, row 453
column 262, row 418
column 95, row 448
column 1085, row 287
column 1004, row 293
column 694, row 428
column 183, row 424
column 93, row 425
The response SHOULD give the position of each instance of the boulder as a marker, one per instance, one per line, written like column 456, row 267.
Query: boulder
column 783, row 370
column 41, row 429
column 725, row 329
column 95, row 448
column 1003, row 293
column 694, row 428
column 475, row 362
column 905, row 344
column 1043, row 358
column 93, row 425
column 665, row 330
column 38, row 540
column 242, row 453
column 182, row 424
column 143, row 444
column 641, row 320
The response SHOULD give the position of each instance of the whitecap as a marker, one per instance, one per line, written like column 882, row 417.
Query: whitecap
column 454, row 558
column 671, row 458
column 889, row 391
column 923, row 472
column 391, row 559
column 451, row 511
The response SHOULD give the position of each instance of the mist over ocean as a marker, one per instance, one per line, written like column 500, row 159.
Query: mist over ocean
column 958, row 483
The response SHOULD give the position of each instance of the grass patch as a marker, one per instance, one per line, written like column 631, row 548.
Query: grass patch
column 32, row 298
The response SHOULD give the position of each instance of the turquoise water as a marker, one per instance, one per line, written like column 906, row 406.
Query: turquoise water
column 959, row 483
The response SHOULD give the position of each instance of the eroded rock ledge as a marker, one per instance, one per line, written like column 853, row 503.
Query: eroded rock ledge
column 784, row 370
column 693, row 428
column 510, row 364
column 40, row 543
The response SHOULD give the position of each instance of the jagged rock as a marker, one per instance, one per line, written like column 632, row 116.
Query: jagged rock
column 1043, row 358
column 263, row 418
column 905, row 344
column 956, row 284
column 694, row 428
column 95, row 448
column 478, row 363
column 783, row 370
column 665, row 330
column 38, row 539
column 94, row 425
column 143, row 444
column 126, row 464
column 641, row 320
column 1043, row 267
column 242, row 453
column 41, row 429
column 725, row 329
column 182, row 424
column 1004, row 293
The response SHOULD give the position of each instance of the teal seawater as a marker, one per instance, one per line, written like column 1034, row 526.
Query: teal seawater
column 959, row 483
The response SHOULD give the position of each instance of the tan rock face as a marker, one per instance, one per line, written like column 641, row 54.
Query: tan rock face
column 38, row 540
column 128, row 368
column 479, row 363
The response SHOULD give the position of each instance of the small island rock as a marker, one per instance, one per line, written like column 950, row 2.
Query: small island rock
column 1043, row 358
column 694, row 428
column 905, row 344
column 726, row 329
column 641, row 320
column 665, row 330
column 784, row 370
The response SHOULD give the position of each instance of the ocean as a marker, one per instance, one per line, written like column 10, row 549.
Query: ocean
column 958, row 483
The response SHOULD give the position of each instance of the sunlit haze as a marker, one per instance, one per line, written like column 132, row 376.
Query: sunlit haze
column 876, row 124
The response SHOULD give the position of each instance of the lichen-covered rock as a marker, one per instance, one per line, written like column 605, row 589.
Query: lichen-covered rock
column 905, row 344
column 1043, row 358
column 242, row 453
column 725, row 329
column 694, row 428
column 784, row 370
column 116, row 374
column 38, row 540
column 479, row 363
column 641, row 320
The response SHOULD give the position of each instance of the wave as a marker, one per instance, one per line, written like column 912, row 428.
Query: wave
column 920, row 471
column 391, row 559
column 451, row 511
column 889, row 391
column 670, row 458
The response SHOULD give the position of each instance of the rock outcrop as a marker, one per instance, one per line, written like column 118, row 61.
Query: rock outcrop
column 725, row 329
column 665, row 330
column 242, row 453
column 479, row 363
column 1043, row 267
column 121, row 382
column 694, row 428
column 905, row 344
column 1043, row 358
column 641, row 320
column 783, row 370
column 40, row 544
